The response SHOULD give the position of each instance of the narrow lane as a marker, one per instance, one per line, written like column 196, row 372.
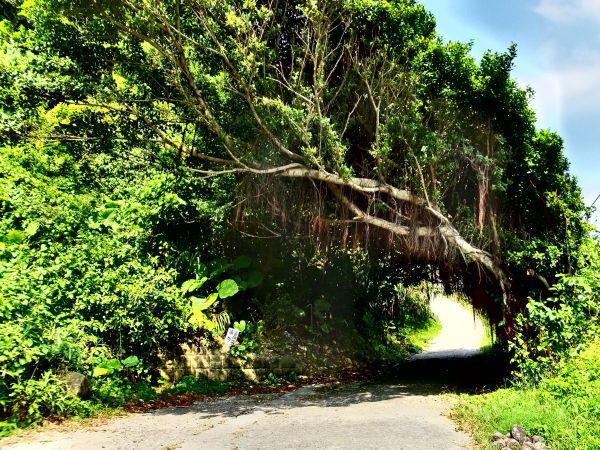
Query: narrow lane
column 402, row 409
column 355, row 415
column 462, row 331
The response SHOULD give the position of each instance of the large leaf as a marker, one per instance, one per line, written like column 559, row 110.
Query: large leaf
column 243, row 262
column 100, row 372
column 131, row 361
column 112, row 364
column 253, row 278
column 227, row 288
column 193, row 284
column 201, row 304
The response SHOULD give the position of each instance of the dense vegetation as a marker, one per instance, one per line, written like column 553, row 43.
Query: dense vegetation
column 171, row 168
column 562, row 407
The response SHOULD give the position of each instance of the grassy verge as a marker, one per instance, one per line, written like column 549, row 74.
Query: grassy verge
column 420, row 338
column 563, row 407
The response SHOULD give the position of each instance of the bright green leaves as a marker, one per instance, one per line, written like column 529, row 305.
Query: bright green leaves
column 193, row 284
column 199, row 317
column 205, row 310
column 227, row 288
column 240, row 326
column 110, row 366
column 202, row 304
column 13, row 237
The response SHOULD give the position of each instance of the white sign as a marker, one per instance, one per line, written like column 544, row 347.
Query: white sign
column 231, row 338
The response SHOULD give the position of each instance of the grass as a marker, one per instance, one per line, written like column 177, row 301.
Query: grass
column 563, row 407
column 419, row 339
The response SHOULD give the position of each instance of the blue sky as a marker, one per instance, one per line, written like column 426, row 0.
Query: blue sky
column 558, row 45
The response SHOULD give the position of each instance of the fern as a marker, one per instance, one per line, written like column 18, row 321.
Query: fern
column 223, row 320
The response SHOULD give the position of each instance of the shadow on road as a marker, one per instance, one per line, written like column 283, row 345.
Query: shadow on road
column 420, row 377
column 470, row 372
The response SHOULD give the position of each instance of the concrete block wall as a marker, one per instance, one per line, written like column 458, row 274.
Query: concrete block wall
column 215, row 365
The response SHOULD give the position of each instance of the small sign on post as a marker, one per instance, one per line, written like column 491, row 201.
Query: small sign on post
column 231, row 338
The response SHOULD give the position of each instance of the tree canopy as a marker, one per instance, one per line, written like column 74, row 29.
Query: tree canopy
column 138, row 137
column 395, row 129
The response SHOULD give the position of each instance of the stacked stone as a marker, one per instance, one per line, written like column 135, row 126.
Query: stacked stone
column 518, row 439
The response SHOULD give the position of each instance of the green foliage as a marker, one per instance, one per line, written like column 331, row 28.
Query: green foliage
column 419, row 339
column 194, row 385
column 563, row 406
column 83, row 277
column 210, row 312
column 37, row 399
column 114, row 129
column 560, row 325
column 249, row 338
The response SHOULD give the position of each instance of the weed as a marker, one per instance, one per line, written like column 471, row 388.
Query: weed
column 564, row 407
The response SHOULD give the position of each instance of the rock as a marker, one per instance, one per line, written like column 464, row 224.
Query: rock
column 518, row 439
column 78, row 384
column 500, row 443
column 497, row 436
column 513, row 443
column 518, row 433
column 506, row 443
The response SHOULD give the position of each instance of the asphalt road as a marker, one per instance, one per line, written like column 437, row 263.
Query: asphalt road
column 356, row 415
column 404, row 408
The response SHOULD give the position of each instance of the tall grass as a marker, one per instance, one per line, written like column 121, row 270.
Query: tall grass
column 564, row 407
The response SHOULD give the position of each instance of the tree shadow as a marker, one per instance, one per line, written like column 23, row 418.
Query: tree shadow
column 454, row 371
column 425, row 376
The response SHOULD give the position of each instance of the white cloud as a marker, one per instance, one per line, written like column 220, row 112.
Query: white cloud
column 569, row 11
column 566, row 84
column 565, row 93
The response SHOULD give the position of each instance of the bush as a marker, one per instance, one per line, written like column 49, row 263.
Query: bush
column 560, row 325
column 563, row 407
column 86, row 274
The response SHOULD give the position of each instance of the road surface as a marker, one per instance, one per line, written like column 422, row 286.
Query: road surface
column 401, row 410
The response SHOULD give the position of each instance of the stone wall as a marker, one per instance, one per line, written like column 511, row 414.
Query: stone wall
column 218, row 366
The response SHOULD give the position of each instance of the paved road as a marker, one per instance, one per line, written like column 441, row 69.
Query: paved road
column 462, row 331
column 403, row 410
column 356, row 415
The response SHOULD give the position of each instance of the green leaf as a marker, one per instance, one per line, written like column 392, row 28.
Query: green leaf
column 212, row 298
column 243, row 262
column 201, row 304
column 189, row 286
column 32, row 228
column 14, row 237
column 227, row 288
column 193, row 284
column 100, row 372
column 253, row 279
column 198, row 304
column 113, row 364
column 240, row 326
column 131, row 361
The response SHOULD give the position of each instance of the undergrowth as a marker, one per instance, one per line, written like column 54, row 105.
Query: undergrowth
column 564, row 407
column 418, row 339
